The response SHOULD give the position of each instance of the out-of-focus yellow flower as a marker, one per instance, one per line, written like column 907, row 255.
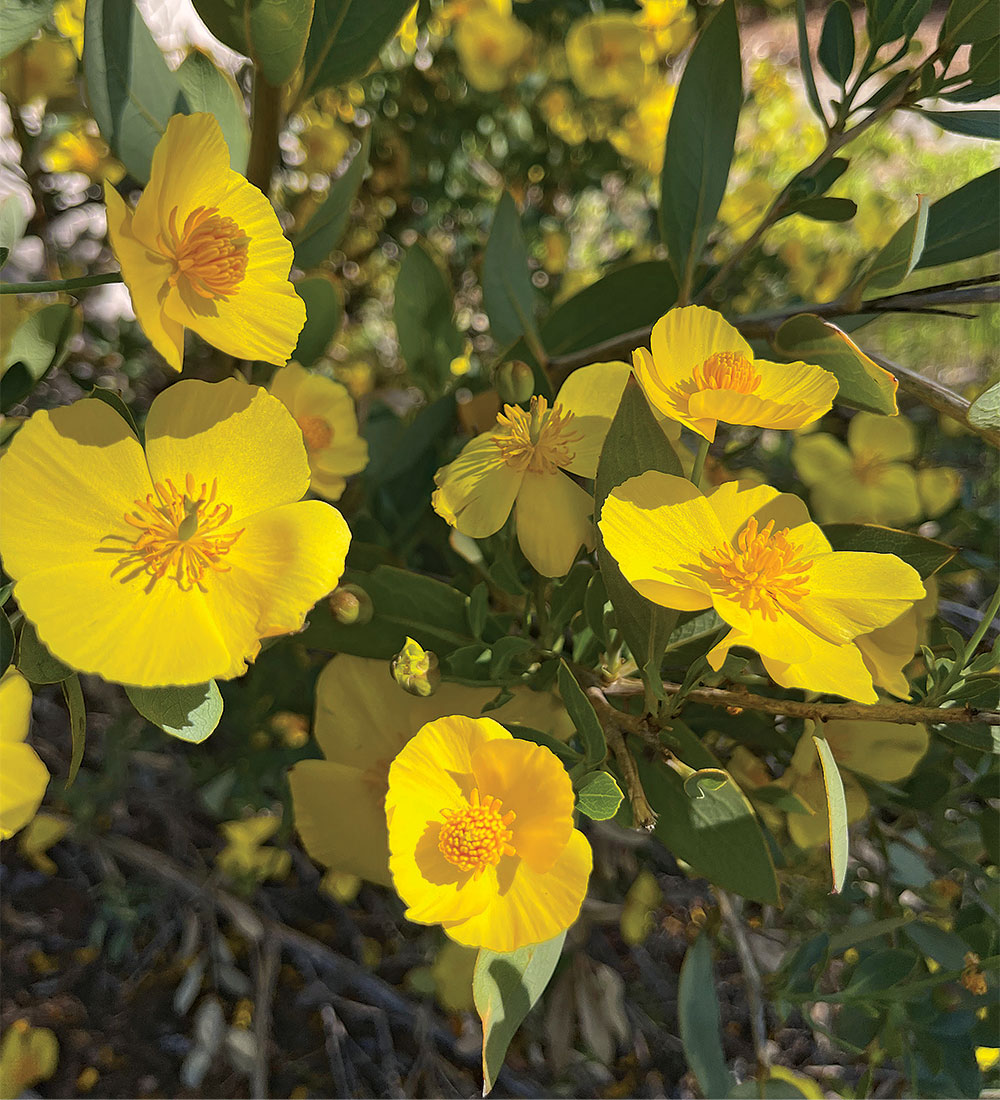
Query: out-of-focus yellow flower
column 699, row 370
column 870, row 480
column 169, row 566
column 481, row 835
column 362, row 722
column 754, row 555
column 988, row 1058
column 643, row 898
column 643, row 131
column 27, row 1055
column 42, row 832
column 669, row 24
column 520, row 464
column 742, row 204
column 42, row 69
column 885, row 751
column 323, row 409
column 203, row 250
column 889, row 649
column 25, row 777
column 82, row 149
column 406, row 36
column 560, row 112
column 488, row 45
column 246, row 856
column 68, row 18
column 325, row 142
column 606, row 58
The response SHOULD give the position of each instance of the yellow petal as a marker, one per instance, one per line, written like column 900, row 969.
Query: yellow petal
column 233, row 432
column 886, row 751
column 530, row 781
column 819, row 458
column 886, row 438
column 592, row 394
column 803, row 392
column 938, row 489
column 433, row 888
column 669, row 400
column 686, row 337
column 888, row 650
column 15, row 707
column 25, row 778
column 832, row 669
column 553, row 521
column 734, row 502
column 476, row 492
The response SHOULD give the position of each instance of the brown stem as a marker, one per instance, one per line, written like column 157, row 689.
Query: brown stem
column 732, row 918
column 266, row 114
column 614, row 722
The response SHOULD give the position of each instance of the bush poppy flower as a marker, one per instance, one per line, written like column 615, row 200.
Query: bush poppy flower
column 203, row 250
column 753, row 554
column 166, row 566
column 25, row 777
column 481, row 835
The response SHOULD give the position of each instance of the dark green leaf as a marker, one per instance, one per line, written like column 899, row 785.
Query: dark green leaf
column 73, row 694
column 6, row 643
column 324, row 316
column 131, row 91
column 599, row 796
column 114, row 401
column 827, row 209
column 38, row 346
column 505, row 987
column 35, row 662
column 984, row 412
column 945, row 948
column 880, row 971
column 965, row 223
column 595, row 604
column 509, row 298
column 983, row 74
column 902, row 254
column 208, row 89
column 805, row 61
column 836, row 43
column 20, row 19
column 478, row 608
column 505, row 651
column 189, row 713
column 569, row 756
column 889, row 20
column 925, row 555
column 970, row 21
column 698, row 1015
column 836, row 806
column 324, row 230
column 345, row 38
column 700, row 141
column 568, row 594
column 584, row 717
column 226, row 19
column 423, row 311
column 980, row 124
column 277, row 31
column 974, row 735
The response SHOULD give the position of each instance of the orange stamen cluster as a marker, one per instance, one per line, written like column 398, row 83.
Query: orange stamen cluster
column 537, row 441
column 727, row 370
column 179, row 534
column 210, row 251
column 762, row 572
column 478, row 835
column 317, row 432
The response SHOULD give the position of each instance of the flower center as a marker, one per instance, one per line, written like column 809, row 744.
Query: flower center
column 210, row 251
column 762, row 572
column 316, row 432
column 477, row 835
column 537, row 440
column 727, row 370
column 179, row 535
column 868, row 469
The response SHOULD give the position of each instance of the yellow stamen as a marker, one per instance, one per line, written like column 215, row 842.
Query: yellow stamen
column 762, row 572
column 317, row 432
column 727, row 370
column 210, row 251
column 537, row 440
column 478, row 835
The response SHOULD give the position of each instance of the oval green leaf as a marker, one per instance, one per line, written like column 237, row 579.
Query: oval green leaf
column 208, row 89
column 35, row 662
column 599, row 796
column 190, row 713
column 698, row 1015
column 277, row 31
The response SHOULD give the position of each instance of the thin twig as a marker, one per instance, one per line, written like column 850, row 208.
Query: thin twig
column 266, row 978
column 751, row 980
column 614, row 722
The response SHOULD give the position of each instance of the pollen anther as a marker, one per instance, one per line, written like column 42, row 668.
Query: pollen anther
column 537, row 440
column 478, row 835
column 210, row 251
column 727, row 370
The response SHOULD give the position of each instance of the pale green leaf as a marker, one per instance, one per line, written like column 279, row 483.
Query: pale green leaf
column 190, row 713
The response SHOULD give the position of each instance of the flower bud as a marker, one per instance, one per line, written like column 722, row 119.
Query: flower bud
column 416, row 669
column 351, row 605
column 515, row 382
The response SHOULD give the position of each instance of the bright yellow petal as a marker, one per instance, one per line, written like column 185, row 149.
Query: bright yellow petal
column 233, row 432
column 886, row 438
column 734, row 502
column 530, row 907
column 801, row 391
column 888, row 650
column 145, row 273
column 819, row 458
column 476, row 492
column 22, row 786
column 554, row 519
column 885, row 751
column 669, row 400
column 686, row 337
column 340, row 818
column 15, row 707
column 531, row 782
column 433, row 888
column 832, row 669
column 938, row 489
column 592, row 394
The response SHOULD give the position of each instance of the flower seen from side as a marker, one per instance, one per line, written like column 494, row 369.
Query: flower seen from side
column 203, row 250
column 166, row 565
column 699, row 370
column 753, row 555
column 481, row 835
column 324, row 410
column 25, row 777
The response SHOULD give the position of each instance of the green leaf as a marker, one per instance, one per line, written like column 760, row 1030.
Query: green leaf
column 73, row 694
column 402, row 444
column 568, row 595
column 863, row 383
column 974, row 735
column 324, row 230
column 6, row 643
column 827, row 208
column 805, row 62
column 700, row 140
column 131, row 91
column 226, row 19
column 20, row 19
column 965, row 223
column 698, row 1015
column 980, row 124
column 889, row 20
column 599, row 796
column 836, row 805
column 324, row 316
column 13, row 221
column 984, row 412
column 114, row 401
column 880, row 970
column 277, row 31
column 925, row 555
column 584, row 717
column 423, row 310
column 983, row 74
column 836, row 43
column 39, row 345
column 509, row 298
column 35, row 662
column 505, row 987
column 189, row 713
column 635, row 443
column 208, row 89
column 970, row 21
column 345, row 39
column 902, row 254
column 945, row 948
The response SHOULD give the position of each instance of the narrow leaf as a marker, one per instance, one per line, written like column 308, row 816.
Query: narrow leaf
column 836, row 805
column 35, row 662
column 805, row 61
column 902, row 254
column 322, row 233
column 345, row 38
column 39, row 345
column 509, row 298
column 965, row 223
column 73, row 694
column 927, row 556
column 324, row 316
column 584, row 717
column 698, row 1015
column 277, row 31
column 189, row 713
column 423, row 310
column 208, row 89
column 984, row 412
column 979, row 124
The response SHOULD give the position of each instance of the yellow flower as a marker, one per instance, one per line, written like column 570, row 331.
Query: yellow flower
column 481, row 835
column 643, row 132
column 885, row 751
column 27, row 1055
column 406, row 36
column 521, row 461
column 753, row 554
column 81, row 149
column 42, row 832
column 245, row 855
column 323, row 409
column 68, row 18
column 700, row 371
column 325, row 142
column 869, row 480
column 669, row 23
column 362, row 722
column 488, row 45
column 203, row 250
column 25, row 777
column 169, row 566
column 605, row 53
column 42, row 69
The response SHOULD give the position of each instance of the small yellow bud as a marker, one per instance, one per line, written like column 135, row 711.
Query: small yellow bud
column 351, row 605
column 515, row 382
column 416, row 669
